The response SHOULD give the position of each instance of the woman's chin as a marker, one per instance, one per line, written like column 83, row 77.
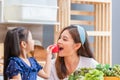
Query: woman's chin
column 60, row 55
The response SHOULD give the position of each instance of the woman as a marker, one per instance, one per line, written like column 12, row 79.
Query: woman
column 17, row 66
column 74, row 52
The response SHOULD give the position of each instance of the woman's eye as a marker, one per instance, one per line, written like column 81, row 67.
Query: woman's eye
column 65, row 39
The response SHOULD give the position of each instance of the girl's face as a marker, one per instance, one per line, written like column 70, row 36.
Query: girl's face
column 30, row 43
column 67, row 46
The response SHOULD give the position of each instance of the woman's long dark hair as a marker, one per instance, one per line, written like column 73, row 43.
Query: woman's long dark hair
column 84, row 50
column 12, row 45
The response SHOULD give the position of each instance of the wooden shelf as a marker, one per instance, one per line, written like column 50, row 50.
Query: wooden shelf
column 35, row 5
column 93, row 1
column 98, row 33
column 82, row 22
column 31, row 22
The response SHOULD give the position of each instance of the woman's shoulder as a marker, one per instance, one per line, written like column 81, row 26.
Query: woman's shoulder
column 88, row 62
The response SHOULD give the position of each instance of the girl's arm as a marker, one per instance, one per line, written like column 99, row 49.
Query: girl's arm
column 17, row 77
column 45, row 72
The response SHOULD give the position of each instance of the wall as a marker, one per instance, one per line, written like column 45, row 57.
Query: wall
column 48, row 35
column 115, row 32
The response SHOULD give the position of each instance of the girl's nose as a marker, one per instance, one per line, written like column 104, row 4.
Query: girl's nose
column 33, row 42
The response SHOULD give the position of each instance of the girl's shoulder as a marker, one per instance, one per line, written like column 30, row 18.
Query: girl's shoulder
column 14, row 59
column 32, row 59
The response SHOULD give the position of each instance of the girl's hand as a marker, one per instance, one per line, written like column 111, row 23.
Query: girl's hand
column 54, row 48
column 49, row 51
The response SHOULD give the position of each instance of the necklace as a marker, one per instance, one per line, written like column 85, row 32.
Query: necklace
column 26, row 61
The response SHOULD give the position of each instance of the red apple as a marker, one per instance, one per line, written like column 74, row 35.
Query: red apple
column 55, row 48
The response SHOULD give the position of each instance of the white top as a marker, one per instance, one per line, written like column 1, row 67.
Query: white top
column 84, row 62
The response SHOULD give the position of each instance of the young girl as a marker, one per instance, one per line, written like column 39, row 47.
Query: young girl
column 17, row 65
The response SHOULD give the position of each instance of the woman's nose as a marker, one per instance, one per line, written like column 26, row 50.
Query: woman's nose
column 59, row 41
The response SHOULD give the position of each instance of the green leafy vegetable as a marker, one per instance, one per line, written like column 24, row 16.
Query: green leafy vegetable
column 94, row 75
column 86, row 74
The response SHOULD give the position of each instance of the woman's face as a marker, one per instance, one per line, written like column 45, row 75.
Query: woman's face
column 66, row 44
column 30, row 42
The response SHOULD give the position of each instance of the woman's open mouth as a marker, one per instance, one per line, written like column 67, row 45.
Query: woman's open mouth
column 60, row 48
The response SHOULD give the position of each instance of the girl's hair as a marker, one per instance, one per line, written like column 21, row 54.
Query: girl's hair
column 84, row 50
column 12, row 45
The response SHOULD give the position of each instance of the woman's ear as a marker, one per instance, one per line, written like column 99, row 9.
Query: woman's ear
column 77, row 46
column 23, row 44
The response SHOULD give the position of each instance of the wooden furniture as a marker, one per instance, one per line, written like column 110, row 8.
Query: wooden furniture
column 111, row 78
column 40, row 53
column 102, row 33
